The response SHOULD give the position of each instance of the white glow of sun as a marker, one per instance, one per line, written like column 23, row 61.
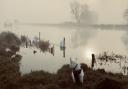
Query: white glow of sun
column 88, row 53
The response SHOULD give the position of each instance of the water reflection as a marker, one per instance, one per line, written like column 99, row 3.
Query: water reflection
column 81, row 36
column 125, row 39
column 88, row 52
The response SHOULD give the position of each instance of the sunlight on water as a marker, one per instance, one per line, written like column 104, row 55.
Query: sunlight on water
column 89, row 52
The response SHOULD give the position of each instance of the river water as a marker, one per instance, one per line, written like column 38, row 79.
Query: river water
column 80, row 44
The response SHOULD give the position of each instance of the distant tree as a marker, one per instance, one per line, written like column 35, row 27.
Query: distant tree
column 82, row 13
column 75, row 11
column 87, row 16
column 126, row 15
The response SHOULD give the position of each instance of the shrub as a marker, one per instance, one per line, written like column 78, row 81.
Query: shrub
column 23, row 39
column 44, row 45
column 9, row 38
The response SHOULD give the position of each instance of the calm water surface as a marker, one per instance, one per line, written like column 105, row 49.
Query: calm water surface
column 80, row 44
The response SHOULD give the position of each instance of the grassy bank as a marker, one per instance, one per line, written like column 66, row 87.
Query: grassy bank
column 94, row 79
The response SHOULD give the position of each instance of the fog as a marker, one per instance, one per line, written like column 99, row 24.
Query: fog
column 82, row 36
column 54, row 11
column 125, row 40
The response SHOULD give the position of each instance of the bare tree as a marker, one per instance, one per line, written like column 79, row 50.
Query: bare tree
column 82, row 13
column 75, row 10
column 87, row 16
column 126, row 15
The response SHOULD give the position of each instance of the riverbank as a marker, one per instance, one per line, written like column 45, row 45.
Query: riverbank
column 94, row 79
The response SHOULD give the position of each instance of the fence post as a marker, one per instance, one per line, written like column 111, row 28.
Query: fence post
column 39, row 36
column 64, row 48
column 26, row 44
column 93, row 60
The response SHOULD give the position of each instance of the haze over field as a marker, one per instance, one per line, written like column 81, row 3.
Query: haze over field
column 55, row 11
column 39, row 39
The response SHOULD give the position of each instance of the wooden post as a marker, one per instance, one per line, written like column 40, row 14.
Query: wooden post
column 64, row 48
column 26, row 44
column 52, row 50
column 30, row 42
column 39, row 36
column 64, row 53
column 93, row 60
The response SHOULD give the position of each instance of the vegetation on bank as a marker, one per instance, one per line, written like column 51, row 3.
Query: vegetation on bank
column 94, row 79
column 9, row 59
column 43, row 45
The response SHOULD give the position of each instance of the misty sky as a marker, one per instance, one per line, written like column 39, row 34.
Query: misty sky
column 50, row 11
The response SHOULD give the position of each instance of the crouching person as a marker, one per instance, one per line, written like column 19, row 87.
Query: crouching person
column 77, row 72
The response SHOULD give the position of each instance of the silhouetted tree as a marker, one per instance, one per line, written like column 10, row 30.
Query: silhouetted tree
column 76, row 11
column 82, row 13
column 87, row 16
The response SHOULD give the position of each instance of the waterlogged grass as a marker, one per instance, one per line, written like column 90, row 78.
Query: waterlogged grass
column 44, row 45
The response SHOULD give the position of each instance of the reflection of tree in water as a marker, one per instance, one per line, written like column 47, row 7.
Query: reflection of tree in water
column 125, row 39
column 81, row 36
